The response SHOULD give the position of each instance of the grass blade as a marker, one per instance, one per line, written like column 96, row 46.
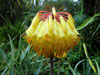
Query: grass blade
column 78, row 64
column 19, row 48
column 39, row 68
column 90, row 62
column 12, row 58
column 25, row 52
column 97, row 67
column 72, row 69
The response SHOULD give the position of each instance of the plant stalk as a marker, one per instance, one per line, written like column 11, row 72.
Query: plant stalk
column 51, row 65
column 59, row 68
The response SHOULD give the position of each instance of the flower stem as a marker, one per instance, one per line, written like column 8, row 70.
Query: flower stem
column 51, row 65
column 59, row 68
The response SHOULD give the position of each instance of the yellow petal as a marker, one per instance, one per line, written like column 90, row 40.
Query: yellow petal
column 50, row 25
column 44, row 29
column 61, row 56
column 63, row 24
column 38, row 28
column 61, row 33
column 71, row 18
column 56, row 32
column 33, row 25
column 69, row 31
column 71, row 22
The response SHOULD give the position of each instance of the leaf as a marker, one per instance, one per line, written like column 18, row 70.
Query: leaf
column 12, row 47
column 3, row 73
column 7, row 61
column 9, row 42
column 72, row 69
column 39, row 68
column 12, row 58
column 19, row 47
column 25, row 52
column 10, row 64
column 78, row 64
column 19, row 3
column 90, row 62
column 5, row 57
column 94, row 33
column 13, row 28
column 97, row 67
column 98, row 14
column 88, row 21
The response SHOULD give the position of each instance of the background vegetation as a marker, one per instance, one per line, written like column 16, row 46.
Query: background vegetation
column 16, row 57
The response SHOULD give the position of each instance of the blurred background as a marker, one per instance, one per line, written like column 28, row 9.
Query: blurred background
column 16, row 57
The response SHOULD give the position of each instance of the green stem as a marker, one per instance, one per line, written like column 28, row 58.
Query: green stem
column 82, row 8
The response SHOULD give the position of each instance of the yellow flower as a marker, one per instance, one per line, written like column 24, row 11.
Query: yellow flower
column 52, row 34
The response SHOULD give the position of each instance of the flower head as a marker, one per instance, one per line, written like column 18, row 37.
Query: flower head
column 52, row 34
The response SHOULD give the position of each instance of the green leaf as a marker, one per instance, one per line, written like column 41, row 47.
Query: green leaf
column 90, row 62
column 19, row 3
column 12, row 58
column 19, row 47
column 5, row 57
column 94, row 33
column 9, row 42
column 13, row 28
column 25, row 52
column 12, row 47
column 72, row 69
column 97, row 67
column 78, row 64
column 87, row 22
column 3, row 73
column 39, row 68
column 98, row 14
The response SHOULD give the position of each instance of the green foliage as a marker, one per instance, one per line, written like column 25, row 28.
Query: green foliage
column 20, row 62
column 9, row 8
column 12, row 29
